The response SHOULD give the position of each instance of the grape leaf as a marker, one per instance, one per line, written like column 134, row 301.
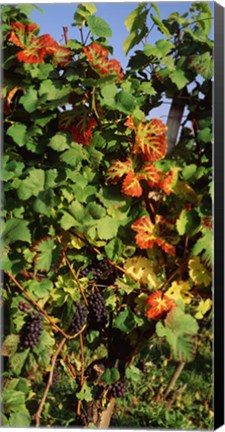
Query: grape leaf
column 18, row 133
column 14, row 230
column 107, row 228
column 180, row 330
column 99, row 26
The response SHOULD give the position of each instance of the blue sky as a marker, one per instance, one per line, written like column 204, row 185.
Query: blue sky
column 61, row 14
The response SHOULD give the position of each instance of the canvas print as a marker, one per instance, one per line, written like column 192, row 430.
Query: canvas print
column 107, row 207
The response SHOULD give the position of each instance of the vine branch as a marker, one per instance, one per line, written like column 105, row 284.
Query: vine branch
column 49, row 383
column 31, row 299
column 82, row 371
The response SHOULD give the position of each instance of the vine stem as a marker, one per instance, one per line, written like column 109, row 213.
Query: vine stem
column 76, row 279
column 174, row 379
column 82, row 371
column 31, row 299
column 65, row 33
column 49, row 383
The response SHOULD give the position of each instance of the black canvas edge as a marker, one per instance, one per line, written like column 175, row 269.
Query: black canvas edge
column 218, row 108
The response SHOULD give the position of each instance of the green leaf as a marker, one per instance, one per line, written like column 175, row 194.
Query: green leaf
column 10, row 345
column 18, row 133
column 40, row 71
column 156, row 8
column 40, row 289
column 17, row 361
column 67, row 221
column 96, row 210
column 204, row 245
column 32, row 184
column 133, row 373
column 189, row 171
column 99, row 27
column 59, row 142
column 107, row 228
column 108, row 93
column 48, row 254
column 30, row 100
column 162, row 28
column 125, row 321
column 110, row 376
column 164, row 46
column 188, row 222
column 205, row 135
column 202, row 64
column 85, row 393
column 151, row 50
column 114, row 249
column 20, row 419
column 125, row 102
column 180, row 330
column 130, row 42
column 179, row 78
column 11, row 168
column 74, row 155
column 15, row 230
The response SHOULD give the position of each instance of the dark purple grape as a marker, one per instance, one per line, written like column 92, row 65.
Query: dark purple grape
column 83, row 419
column 97, row 310
column 31, row 330
column 79, row 318
column 118, row 389
column 99, row 270
column 24, row 307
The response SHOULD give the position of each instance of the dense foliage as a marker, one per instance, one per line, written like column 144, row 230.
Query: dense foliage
column 107, row 223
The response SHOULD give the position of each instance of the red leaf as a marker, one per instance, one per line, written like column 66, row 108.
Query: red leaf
column 8, row 100
column 118, row 169
column 150, row 174
column 22, row 35
column 150, row 140
column 160, row 304
column 167, row 180
column 131, row 185
column 148, row 234
column 98, row 57
column 130, row 123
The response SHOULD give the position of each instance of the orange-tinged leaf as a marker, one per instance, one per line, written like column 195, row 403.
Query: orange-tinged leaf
column 98, row 58
column 131, row 185
column 169, row 180
column 118, row 169
column 9, row 97
column 148, row 234
column 22, row 34
column 160, row 304
column 153, row 147
column 130, row 123
column 150, row 140
column 150, row 174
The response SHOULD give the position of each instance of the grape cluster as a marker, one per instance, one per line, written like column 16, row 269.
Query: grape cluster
column 97, row 310
column 24, row 307
column 79, row 318
column 31, row 331
column 118, row 389
column 83, row 419
column 100, row 270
